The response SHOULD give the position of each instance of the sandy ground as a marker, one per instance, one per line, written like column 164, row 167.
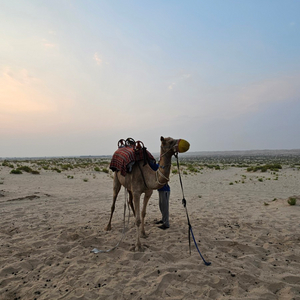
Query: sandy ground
column 50, row 223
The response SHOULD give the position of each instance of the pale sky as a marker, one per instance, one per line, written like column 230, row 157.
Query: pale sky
column 77, row 76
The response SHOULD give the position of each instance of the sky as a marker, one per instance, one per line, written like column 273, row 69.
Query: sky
column 77, row 76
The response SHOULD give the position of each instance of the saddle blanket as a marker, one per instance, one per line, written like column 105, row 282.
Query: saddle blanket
column 125, row 157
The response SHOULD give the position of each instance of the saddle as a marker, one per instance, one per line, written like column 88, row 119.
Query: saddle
column 128, row 153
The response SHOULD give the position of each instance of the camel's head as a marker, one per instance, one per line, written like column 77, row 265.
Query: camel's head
column 180, row 145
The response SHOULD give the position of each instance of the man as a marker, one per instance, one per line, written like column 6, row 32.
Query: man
column 164, row 196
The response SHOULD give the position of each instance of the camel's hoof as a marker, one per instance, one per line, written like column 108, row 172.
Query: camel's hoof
column 136, row 248
column 144, row 235
column 108, row 228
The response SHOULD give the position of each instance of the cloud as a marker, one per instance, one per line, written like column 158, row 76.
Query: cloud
column 48, row 44
column 251, row 97
column 231, row 102
column 20, row 93
column 97, row 59
column 179, row 79
column 170, row 87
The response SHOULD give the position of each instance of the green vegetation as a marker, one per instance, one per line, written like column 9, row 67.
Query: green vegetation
column 273, row 167
column 292, row 201
column 25, row 169
column 16, row 171
column 57, row 170
column 97, row 169
column 7, row 164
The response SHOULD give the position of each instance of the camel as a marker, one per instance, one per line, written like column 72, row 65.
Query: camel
column 143, row 179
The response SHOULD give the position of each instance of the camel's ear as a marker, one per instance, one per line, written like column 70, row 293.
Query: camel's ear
column 162, row 138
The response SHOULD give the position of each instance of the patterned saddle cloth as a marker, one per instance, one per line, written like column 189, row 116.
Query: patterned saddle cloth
column 128, row 153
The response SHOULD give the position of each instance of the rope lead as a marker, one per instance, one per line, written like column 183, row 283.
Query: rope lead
column 188, row 219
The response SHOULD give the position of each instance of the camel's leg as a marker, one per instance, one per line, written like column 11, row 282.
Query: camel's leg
column 147, row 196
column 116, row 190
column 130, row 202
column 136, row 200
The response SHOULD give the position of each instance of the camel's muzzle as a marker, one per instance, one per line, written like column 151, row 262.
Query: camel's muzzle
column 182, row 146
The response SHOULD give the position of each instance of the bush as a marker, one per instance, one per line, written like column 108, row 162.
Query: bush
column 292, row 201
column 273, row 167
column 97, row 169
column 25, row 169
column 16, row 171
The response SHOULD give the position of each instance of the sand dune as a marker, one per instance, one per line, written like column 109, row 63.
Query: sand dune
column 50, row 223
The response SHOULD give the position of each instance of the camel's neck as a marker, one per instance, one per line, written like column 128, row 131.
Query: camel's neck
column 164, row 169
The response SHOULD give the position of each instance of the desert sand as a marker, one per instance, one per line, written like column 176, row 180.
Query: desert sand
column 50, row 222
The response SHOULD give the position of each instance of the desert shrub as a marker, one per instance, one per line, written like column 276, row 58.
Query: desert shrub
column 105, row 170
column 56, row 169
column 25, row 169
column 273, row 167
column 16, row 171
column 35, row 172
column 97, row 169
column 7, row 164
column 191, row 168
column 292, row 201
column 67, row 166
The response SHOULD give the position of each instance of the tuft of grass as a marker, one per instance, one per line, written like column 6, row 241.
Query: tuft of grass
column 105, row 170
column 174, row 171
column 266, row 204
column 231, row 183
column 97, row 169
column 85, row 180
column 292, row 201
